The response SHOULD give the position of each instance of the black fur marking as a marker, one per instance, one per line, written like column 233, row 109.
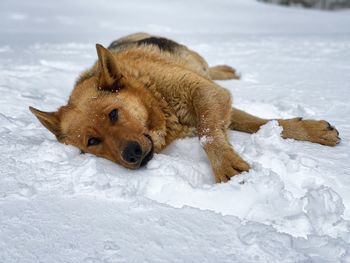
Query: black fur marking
column 162, row 43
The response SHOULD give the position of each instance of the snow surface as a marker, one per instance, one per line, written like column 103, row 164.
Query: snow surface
column 57, row 205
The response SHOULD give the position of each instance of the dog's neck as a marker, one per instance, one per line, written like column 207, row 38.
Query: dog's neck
column 165, row 126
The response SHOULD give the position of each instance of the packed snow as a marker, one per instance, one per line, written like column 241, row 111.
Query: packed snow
column 58, row 205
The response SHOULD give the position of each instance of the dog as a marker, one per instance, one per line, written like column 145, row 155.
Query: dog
column 146, row 91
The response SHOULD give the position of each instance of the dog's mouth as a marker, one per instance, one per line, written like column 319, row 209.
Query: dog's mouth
column 149, row 155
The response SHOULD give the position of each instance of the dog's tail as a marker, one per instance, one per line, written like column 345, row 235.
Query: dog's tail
column 223, row 72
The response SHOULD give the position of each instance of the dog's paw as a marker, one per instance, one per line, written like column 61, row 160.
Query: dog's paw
column 228, row 164
column 312, row 130
column 321, row 132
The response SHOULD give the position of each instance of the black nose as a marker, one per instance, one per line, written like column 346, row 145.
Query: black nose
column 132, row 152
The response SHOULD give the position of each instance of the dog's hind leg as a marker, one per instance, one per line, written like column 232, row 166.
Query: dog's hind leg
column 223, row 72
column 245, row 122
column 196, row 62
column 304, row 130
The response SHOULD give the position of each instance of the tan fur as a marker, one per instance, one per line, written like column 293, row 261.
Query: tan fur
column 166, row 91
column 223, row 72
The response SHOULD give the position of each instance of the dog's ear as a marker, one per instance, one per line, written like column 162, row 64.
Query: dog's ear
column 110, row 76
column 50, row 120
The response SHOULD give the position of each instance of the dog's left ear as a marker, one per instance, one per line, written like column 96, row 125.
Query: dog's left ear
column 50, row 120
column 110, row 76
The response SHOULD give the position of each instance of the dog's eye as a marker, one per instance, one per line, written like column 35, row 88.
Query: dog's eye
column 93, row 141
column 113, row 115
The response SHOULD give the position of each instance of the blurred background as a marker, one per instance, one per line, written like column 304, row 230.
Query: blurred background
column 318, row 4
column 93, row 21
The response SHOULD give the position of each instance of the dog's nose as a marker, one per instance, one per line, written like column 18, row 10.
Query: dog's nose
column 132, row 152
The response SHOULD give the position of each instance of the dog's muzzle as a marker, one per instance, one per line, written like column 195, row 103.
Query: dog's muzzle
column 134, row 155
column 148, row 155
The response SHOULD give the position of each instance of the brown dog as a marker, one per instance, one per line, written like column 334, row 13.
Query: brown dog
column 145, row 91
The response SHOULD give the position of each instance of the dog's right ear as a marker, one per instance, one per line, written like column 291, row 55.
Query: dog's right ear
column 50, row 120
column 110, row 76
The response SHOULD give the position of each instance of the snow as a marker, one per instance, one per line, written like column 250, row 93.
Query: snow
column 57, row 205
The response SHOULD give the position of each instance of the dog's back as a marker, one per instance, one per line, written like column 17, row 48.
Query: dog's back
column 180, row 53
column 140, row 39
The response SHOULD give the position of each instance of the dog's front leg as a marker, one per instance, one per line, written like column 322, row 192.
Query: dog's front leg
column 212, row 106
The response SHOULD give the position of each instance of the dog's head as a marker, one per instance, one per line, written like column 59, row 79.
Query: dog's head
column 108, row 114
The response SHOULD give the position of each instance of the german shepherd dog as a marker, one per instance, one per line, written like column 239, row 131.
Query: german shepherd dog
column 146, row 91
